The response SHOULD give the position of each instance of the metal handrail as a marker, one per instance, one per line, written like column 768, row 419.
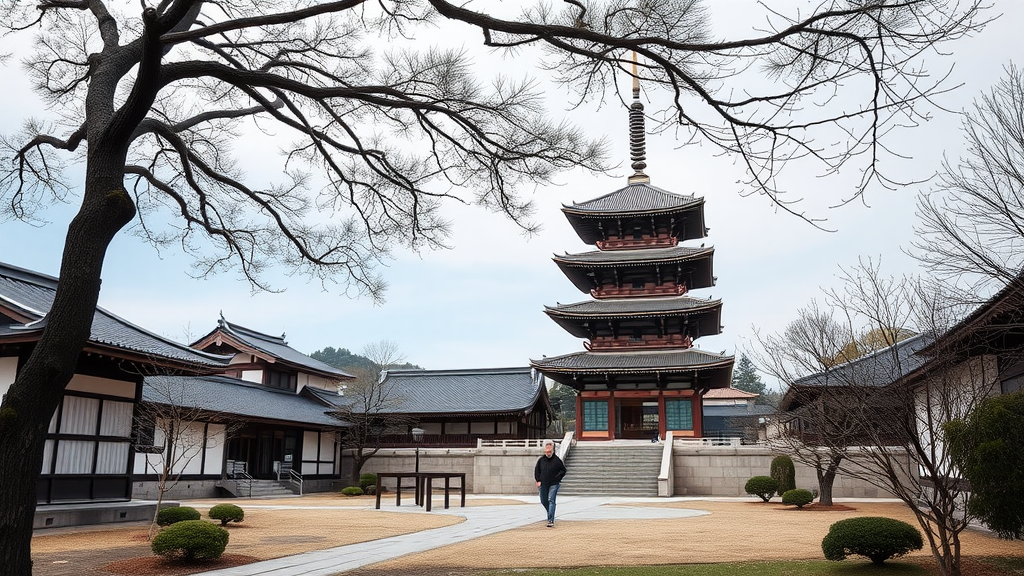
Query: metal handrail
column 295, row 478
column 243, row 476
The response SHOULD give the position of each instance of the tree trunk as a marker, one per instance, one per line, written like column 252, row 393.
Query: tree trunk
column 32, row 399
column 826, row 478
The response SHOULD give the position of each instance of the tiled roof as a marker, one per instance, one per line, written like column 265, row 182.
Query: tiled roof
column 632, row 306
column 495, row 390
column 32, row 294
column 226, row 395
column 729, row 393
column 638, row 361
column 641, row 256
column 877, row 369
column 276, row 347
column 637, row 197
column 734, row 411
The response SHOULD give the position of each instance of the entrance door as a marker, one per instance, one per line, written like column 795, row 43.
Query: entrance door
column 636, row 419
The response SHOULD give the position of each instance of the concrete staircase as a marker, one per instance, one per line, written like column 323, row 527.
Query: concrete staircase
column 245, row 488
column 612, row 469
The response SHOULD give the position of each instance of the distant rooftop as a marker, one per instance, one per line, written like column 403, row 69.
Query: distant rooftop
column 458, row 392
column 28, row 295
column 275, row 347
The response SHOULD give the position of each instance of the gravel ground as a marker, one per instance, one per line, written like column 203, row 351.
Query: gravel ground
column 734, row 530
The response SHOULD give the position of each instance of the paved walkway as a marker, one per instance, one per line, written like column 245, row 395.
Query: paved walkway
column 480, row 521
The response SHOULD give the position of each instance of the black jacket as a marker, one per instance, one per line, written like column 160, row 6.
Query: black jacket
column 549, row 471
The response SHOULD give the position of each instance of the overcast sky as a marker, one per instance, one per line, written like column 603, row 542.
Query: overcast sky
column 480, row 304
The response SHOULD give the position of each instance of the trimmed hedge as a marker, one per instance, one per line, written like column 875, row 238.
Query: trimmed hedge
column 352, row 491
column 191, row 540
column 168, row 516
column 227, row 513
column 797, row 497
column 761, row 486
column 784, row 472
column 368, row 479
column 875, row 537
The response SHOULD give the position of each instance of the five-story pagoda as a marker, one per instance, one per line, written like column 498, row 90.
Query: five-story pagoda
column 640, row 374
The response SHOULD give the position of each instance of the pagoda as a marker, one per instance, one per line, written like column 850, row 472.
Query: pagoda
column 639, row 375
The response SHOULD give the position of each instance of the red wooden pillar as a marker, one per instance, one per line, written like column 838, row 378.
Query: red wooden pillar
column 662, row 424
column 698, row 415
column 579, row 416
column 611, row 415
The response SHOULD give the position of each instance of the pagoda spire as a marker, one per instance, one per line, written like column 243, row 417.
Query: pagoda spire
column 637, row 144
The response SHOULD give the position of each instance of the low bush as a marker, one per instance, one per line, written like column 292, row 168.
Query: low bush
column 168, row 516
column 761, row 486
column 367, row 479
column 371, row 489
column 352, row 491
column 191, row 540
column 797, row 497
column 227, row 513
column 874, row 537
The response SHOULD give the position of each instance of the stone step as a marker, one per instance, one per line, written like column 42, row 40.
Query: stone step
column 628, row 470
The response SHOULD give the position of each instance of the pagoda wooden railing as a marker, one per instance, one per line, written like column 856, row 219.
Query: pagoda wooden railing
column 630, row 243
column 674, row 341
column 651, row 290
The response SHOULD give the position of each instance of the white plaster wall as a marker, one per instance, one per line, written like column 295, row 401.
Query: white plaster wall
column 120, row 388
column 8, row 372
column 253, row 376
column 216, row 439
column 316, row 382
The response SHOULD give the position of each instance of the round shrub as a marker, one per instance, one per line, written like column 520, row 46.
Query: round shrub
column 227, row 513
column 797, row 497
column 762, row 486
column 371, row 489
column 352, row 491
column 367, row 479
column 168, row 516
column 874, row 537
column 191, row 540
column 784, row 472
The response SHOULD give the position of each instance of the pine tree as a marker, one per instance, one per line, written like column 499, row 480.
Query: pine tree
column 746, row 378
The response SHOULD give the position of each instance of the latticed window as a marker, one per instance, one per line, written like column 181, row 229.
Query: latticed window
column 595, row 415
column 679, row 414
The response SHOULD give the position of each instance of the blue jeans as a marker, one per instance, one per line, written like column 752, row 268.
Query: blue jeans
column 547, row 499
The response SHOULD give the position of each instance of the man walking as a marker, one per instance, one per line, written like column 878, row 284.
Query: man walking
column 548, row 473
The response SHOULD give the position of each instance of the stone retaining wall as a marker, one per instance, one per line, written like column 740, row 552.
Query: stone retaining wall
column 722, row 471
column 711, row 471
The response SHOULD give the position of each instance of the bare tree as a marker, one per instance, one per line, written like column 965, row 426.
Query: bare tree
column 972, row 223
column 172, row 429
column 150, row 101
column 371, row 405
column 811, row 425
column 879, row 417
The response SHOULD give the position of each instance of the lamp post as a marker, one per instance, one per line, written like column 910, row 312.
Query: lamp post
column 417, row 437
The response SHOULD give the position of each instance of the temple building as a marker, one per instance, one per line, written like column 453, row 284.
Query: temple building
column 639, row 375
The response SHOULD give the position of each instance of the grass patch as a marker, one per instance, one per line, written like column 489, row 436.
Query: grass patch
column 772, row 568
column 1010, row 565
